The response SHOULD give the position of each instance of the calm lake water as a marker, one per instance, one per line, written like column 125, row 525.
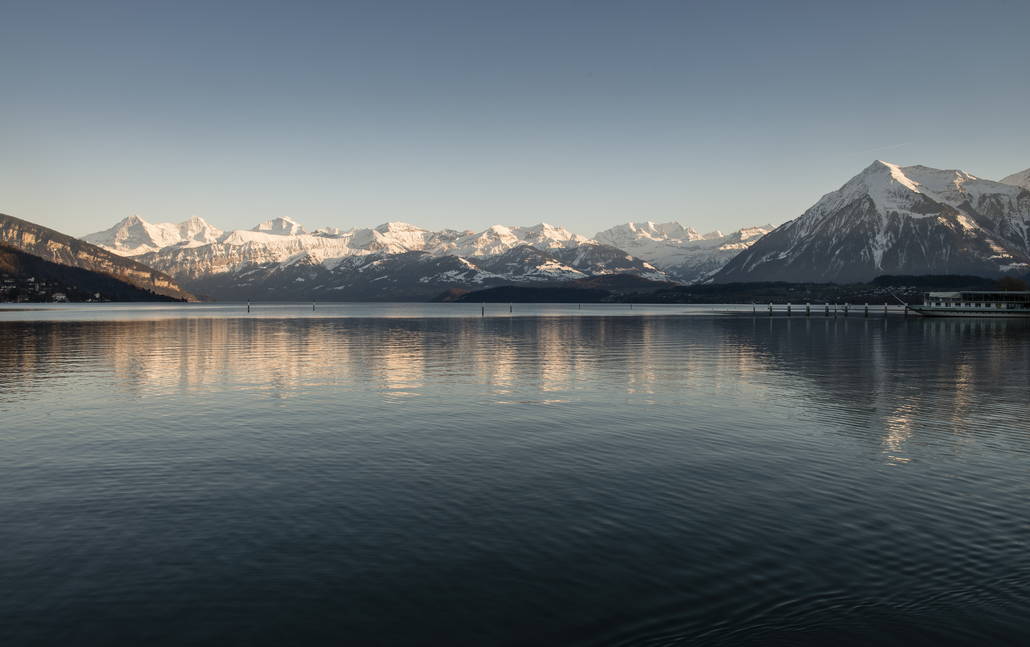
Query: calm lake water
column 418, row 474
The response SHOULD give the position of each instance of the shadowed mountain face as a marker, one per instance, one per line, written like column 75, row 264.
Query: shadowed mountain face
column 55, row 247
column 412, row 276
column 31, row 278
column 894, row 220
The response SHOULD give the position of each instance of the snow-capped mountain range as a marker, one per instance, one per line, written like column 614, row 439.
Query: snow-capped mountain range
column 212, row 260
column 682, row 252
column 279, row 239
column 890, row 219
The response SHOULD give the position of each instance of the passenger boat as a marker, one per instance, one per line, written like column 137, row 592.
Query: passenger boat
column 975, row 304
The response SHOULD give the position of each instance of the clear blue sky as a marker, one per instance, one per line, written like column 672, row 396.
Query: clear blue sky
column 465, row 114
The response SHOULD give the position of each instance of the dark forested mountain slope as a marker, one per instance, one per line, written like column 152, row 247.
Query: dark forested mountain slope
column 60, row 249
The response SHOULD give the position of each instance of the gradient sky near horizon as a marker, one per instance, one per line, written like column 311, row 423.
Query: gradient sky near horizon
column 464, row 114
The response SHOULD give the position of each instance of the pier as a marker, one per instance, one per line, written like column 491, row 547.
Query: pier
column 823, row 310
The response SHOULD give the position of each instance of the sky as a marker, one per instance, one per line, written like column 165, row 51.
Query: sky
column 461, row 115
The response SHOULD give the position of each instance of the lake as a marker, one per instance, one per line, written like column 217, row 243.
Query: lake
column 416, row 474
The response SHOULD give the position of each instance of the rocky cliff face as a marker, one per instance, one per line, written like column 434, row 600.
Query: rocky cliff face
column 56, row 247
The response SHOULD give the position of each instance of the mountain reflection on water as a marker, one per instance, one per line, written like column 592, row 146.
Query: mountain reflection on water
column 653, row 479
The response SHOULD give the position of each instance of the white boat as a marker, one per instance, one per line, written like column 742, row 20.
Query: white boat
column 974, row 304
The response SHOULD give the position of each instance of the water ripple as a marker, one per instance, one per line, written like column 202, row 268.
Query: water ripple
column 595, row 479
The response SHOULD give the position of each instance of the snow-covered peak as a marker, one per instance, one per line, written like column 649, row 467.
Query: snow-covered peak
column 134, row 235
column 679, row 249
column 892, row 219
column 643, row 234
column 911, row 190
column 748, row 233
column 665, row 231
column 395, row 238
column 885, row 183
column 498, row 239
column 879, row 167
column 396, row 226
column 280, row 227
column 493, row 240
column 548, row 236
column 329, row 231
column 400, row 229
column 932, row 181
column 197, row 231
column 1020, row 179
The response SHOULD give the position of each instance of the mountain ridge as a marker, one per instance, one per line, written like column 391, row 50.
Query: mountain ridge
column 334, row 263
column 889, row 219
column 563, row 255
column 62, row 249
column 886, row 219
